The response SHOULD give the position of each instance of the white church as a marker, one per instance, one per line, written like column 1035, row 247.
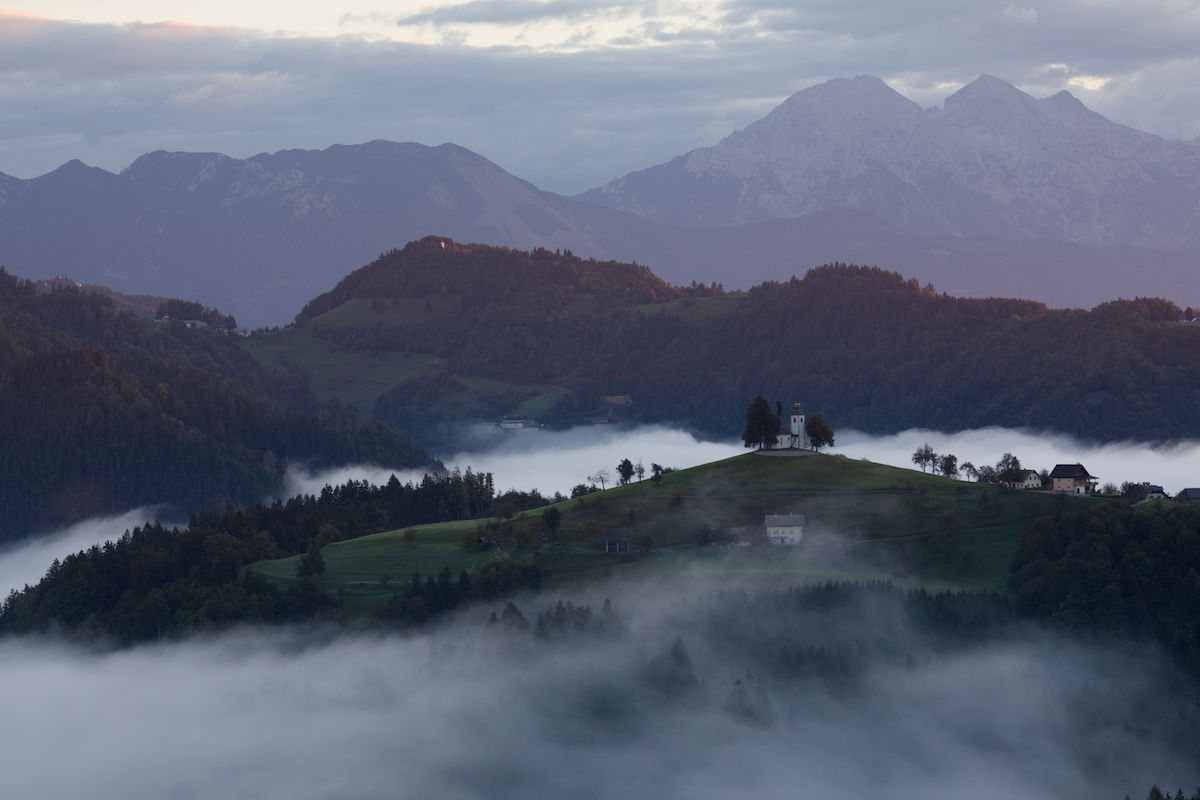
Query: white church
column 794, row 434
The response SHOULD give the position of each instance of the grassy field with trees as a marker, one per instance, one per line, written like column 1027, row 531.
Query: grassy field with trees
column 890, row 522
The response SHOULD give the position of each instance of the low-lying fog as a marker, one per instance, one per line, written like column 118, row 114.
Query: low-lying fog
column 26, row 561
column 554, row 461
column 762, row 698
column 550, row 461
column 1173, row 465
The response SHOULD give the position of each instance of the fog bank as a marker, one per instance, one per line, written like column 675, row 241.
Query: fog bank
column 549, row 461
column 554, row 461
column 1173, row 465
column 26, row 561
column 465, row 712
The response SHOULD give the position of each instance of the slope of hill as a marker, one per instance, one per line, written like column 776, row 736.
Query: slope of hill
column 380, row 549
column 868, row 348
column 101, row 412
column 992, row 162
column 140, row 305
column 864, row 521
column 480, row 276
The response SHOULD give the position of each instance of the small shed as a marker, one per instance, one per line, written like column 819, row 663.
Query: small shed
column 616, row 541
column 784, row 528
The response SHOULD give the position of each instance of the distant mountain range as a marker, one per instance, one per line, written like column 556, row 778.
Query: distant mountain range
column 992, row 162
column 996, row 194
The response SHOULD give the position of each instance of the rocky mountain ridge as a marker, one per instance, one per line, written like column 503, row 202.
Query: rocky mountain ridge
column 993, row 161
column 260, row 236
column 888, row 184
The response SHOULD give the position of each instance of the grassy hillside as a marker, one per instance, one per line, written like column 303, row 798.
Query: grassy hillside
column 864, row 520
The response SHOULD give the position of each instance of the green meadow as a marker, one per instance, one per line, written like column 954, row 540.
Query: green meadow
column 864, row 521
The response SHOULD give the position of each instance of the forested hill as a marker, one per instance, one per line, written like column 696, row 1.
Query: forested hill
column 479, row 275
column 864, row 346
column 101, row 411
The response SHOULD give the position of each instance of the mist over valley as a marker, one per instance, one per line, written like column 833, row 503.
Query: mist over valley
column 842, row 440
column 687, row 686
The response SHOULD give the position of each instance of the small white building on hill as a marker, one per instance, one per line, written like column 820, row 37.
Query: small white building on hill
column 784, row 528
column 793, row 433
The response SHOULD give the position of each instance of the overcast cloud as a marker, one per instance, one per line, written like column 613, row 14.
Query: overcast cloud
column 567, row 93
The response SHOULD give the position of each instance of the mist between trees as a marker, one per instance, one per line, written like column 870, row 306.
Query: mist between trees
column 666, row 688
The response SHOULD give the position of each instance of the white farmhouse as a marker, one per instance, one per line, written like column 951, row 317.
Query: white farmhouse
column 1028, row 479
column 793, row 434
column 784, row 528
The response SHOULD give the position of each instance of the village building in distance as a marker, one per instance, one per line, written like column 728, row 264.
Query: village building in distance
column 1028, row 479
column 1072, row 479
column 784, row 528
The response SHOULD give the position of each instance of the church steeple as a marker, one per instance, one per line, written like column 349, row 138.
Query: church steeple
column 798, row 422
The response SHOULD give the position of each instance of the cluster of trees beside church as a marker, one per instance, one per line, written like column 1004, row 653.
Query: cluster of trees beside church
column 763, row 426
column 101, row 412
column 155, row 581
column 886, row 352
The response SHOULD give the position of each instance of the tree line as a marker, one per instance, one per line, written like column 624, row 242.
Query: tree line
column 154, row 581
column 1116, row 572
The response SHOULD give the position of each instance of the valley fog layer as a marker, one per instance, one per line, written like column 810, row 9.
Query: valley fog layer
column 26, row 560
column 550, row 461
column 554, row 461
column 685, row 691
column 1173, row 465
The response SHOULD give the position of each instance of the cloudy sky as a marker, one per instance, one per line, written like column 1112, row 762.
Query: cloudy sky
column 565, row 93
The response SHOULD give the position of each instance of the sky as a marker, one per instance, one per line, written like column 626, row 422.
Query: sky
column 565, row 93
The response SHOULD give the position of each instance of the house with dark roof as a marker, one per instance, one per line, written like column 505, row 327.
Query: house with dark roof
column 1190, row 496
column 1072, row 479
column 784, row 528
